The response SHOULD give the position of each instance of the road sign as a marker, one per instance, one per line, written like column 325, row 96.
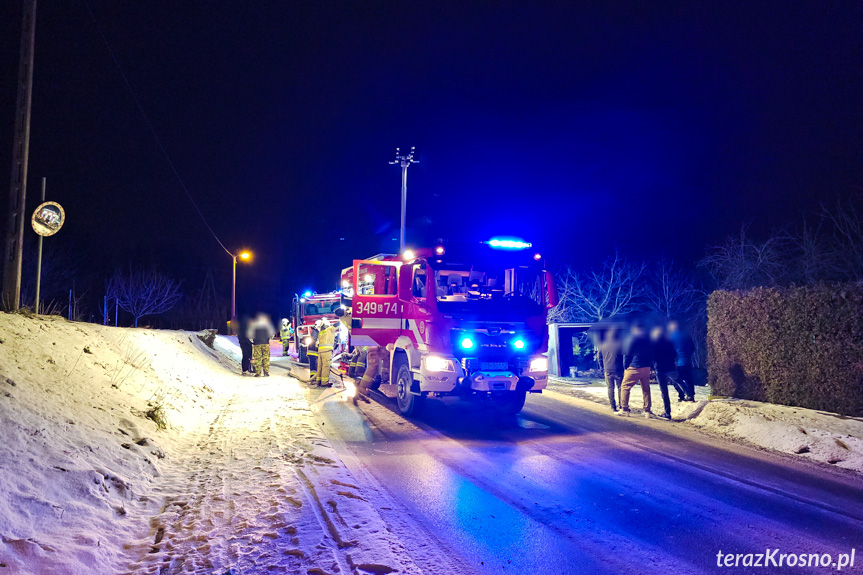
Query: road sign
column 48, row 219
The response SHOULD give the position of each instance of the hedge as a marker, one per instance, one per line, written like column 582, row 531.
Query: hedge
column 800, row 346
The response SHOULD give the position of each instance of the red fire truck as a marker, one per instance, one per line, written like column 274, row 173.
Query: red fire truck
column 459, row 319
column 308, row 309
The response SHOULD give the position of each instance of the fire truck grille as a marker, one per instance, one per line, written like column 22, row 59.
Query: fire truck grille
column 494, row 365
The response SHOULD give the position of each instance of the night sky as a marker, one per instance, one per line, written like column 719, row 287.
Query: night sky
column 579, row 127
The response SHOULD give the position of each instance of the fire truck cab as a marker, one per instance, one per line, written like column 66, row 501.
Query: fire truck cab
column 308, row 309
column 458, row 319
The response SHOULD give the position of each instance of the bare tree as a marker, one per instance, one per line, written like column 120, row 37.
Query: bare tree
column 669, row 291
column 143, row 293
column 611, row 288
column 847, row 220
column 742, row 262
column 814, row 257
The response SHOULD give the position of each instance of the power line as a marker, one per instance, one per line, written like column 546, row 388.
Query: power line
column 152, row 129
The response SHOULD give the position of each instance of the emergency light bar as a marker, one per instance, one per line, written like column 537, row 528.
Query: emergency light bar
column 508, row 244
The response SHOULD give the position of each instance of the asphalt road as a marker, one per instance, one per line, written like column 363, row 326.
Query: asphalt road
column 568, row 488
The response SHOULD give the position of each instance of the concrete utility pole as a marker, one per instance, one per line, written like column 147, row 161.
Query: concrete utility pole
column 11, row 298
column 404, row 160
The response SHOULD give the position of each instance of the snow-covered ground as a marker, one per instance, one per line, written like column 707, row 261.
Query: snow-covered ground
column 242, row 477
column 812, row 435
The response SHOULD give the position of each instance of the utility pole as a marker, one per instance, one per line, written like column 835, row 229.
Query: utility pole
column 11, row 298
column 404, row 160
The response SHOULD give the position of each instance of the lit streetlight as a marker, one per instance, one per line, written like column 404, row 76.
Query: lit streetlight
column 246, row 256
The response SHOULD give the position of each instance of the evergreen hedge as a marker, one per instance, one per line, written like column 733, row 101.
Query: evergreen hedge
column 800, row 346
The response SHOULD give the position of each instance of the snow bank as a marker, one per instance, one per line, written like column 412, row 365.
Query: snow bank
column 241, row 479
column 79, row 455
column 812, row 435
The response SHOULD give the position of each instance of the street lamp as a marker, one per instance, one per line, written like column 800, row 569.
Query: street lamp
column 404, row 160
column 244, row 255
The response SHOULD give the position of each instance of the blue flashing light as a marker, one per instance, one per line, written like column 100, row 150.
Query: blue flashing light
column 518, row 344
column 509, row 244
column 307, row 294
column 467, row 343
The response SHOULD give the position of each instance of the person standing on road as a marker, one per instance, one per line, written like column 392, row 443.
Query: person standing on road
column 261, row 331
column 637, row 361
column 664, row 358
column 358, row 362
column 326, row 339
column 312, row 353
column 374, row 356
column 285, row 335
column 241, row 328
column 611, row 359
column 684, row 347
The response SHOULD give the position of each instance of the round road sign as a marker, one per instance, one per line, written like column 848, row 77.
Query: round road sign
column 48, row 219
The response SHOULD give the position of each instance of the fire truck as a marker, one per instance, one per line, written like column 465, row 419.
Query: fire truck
column 459, row 319
column 308, row 309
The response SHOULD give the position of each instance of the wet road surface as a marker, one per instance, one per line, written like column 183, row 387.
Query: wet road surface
column 566, row 487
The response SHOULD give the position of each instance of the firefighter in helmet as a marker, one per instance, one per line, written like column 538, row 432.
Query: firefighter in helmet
column 326, row 340
column 286, row 333
column 313, row 353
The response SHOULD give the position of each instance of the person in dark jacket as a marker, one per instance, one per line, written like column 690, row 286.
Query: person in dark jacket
column 684, row 347
column 637, row 361
column 664, row 360
column 611, row 359
column 261, row 331
column 241, row 328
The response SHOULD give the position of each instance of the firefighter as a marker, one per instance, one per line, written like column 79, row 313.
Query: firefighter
column 326, row 339
column 384, row 376
column 374, row 357
column 313, row 353
column 286, row 333
column 358, row 362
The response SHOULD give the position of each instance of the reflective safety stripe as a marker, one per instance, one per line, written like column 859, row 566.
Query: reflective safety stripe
column 381, row 323
column 314, row 353
column 324, row 348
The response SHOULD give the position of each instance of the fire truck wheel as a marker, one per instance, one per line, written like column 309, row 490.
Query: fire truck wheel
column 408, row 402
column 512, row 402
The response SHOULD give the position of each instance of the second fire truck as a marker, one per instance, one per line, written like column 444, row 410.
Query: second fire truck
column 307, row 310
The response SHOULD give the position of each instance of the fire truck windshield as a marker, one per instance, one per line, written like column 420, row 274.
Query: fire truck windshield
column 324, row 307
column 468, row 288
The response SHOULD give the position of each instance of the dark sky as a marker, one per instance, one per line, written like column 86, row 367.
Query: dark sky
column 578, row 126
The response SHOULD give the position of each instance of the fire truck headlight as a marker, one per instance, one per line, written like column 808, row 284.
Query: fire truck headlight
column 539, row 364
column 436, row 363
column 308, row 340
column 518, row 344
column 467, row 343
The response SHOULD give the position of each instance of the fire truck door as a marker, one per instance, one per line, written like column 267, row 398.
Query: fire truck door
column 376, row 317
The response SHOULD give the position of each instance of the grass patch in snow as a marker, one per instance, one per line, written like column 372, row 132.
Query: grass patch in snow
column 157, row 414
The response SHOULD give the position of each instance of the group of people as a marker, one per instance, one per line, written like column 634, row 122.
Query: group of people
column 371, row 363
column 629, row 359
